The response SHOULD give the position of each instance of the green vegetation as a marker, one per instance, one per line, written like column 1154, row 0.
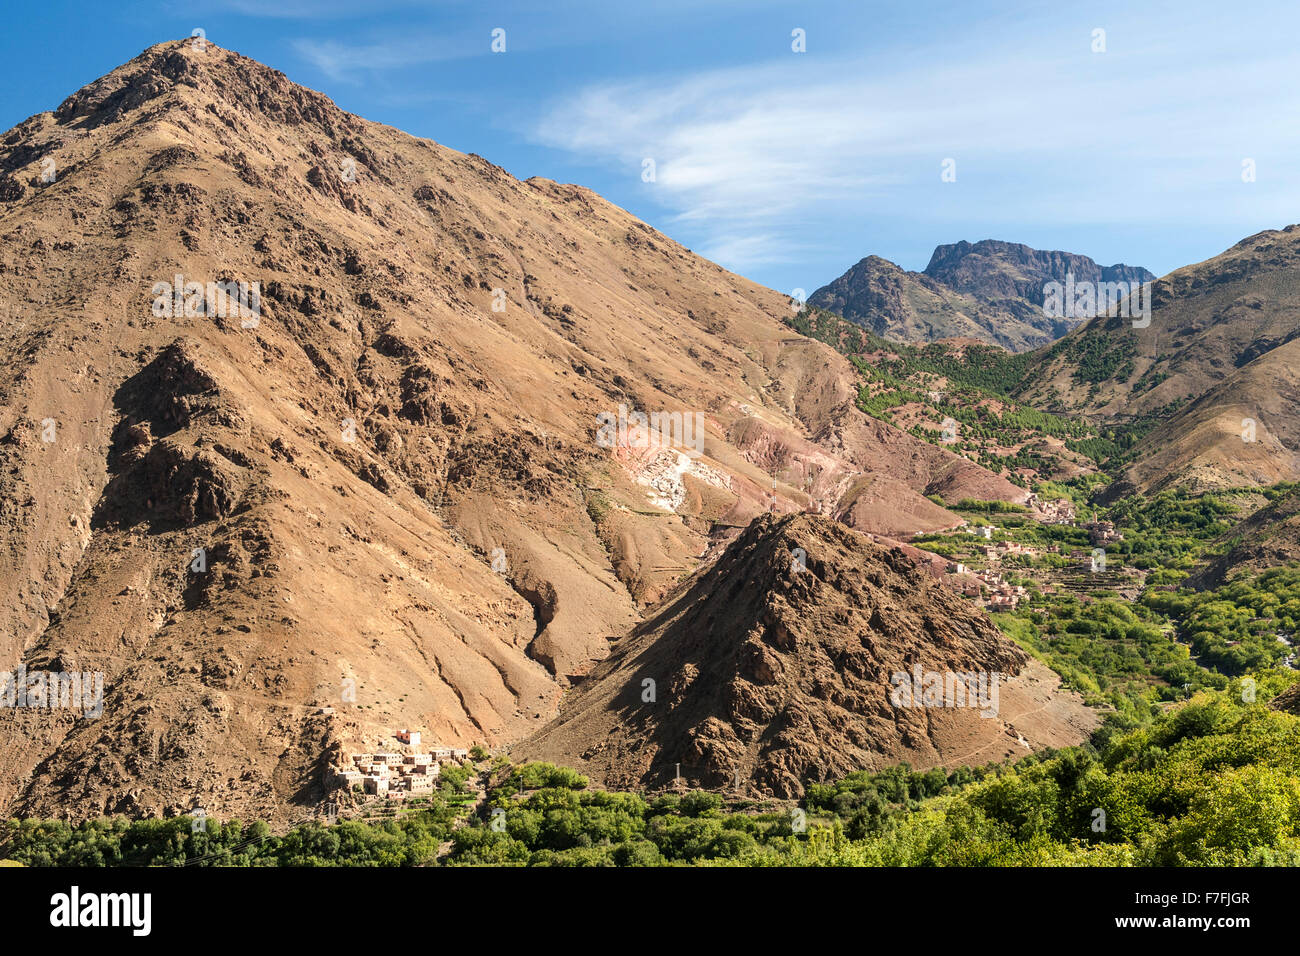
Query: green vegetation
column 1137, row 657
column 1242, row 626
column 410, row 841
column 981, row 378
column 921, row 387
column 1171, row 529
column 985, row 368
column 1215, row 781
column 1098, row 355
column 989, row 507
column 1117, row 654
column 1190, row 766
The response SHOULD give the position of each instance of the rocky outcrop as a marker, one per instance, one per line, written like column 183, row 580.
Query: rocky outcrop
column 388, row 478
column 784, row 663
column 1013, row 274
column 990, row 291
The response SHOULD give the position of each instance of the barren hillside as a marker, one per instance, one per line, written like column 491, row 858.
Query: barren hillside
column 778, row 665
column 1214, row 371
column 388, row 481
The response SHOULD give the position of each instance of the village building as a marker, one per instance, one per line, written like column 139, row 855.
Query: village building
column 348, row 778
column 1102, row 532
column 395, row 775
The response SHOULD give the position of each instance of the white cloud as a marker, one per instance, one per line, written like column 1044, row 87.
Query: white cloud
column 347, row 62
column 310, row 9
column 748, row 156
column 747, row 248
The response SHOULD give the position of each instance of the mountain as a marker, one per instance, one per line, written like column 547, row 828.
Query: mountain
column 780, row 664
column 1268, row 537
column 1211, row 380
column 391, row 485
column 990, row 291
column 954, row 394
column 1012, row 276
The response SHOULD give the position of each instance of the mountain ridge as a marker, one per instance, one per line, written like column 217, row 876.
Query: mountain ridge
column 781, row 664
column 1212, row 371
column 988, row 290
column 379, row 500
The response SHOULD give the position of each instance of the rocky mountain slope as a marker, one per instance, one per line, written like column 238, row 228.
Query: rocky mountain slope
column 953, row 393
column 1012, row 275
column 1288, row 700
column 1214, row 370
column 778, row 665
column 1268, row 537
column 379, row 496
column 990, row 291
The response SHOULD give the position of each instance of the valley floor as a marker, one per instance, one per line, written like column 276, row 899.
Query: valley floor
column 1195, row 762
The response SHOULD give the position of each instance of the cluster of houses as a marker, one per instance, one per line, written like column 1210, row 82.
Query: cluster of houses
column 995, row 552
column 1102, row 532
column 1059, row 511
column 987, row 588
column 1094, row 561
column 399, row 773
column 997, row 593
column 1005, row 596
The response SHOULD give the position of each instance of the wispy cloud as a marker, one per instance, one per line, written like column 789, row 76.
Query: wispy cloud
column 749, row 155
column 307, row 9
column 349, row 62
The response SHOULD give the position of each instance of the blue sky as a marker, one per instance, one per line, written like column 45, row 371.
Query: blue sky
column 788, row 167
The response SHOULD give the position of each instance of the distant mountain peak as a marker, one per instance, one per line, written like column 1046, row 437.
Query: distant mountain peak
column 990, row 290
column 992, row 268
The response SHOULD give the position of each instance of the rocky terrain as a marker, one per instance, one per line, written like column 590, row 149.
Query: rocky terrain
column 1012, row 275
column 776, row 666
column 1214, row 371
column 1288, row 700
column 379, row 499
column 990, row 291
column 1267, row 538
